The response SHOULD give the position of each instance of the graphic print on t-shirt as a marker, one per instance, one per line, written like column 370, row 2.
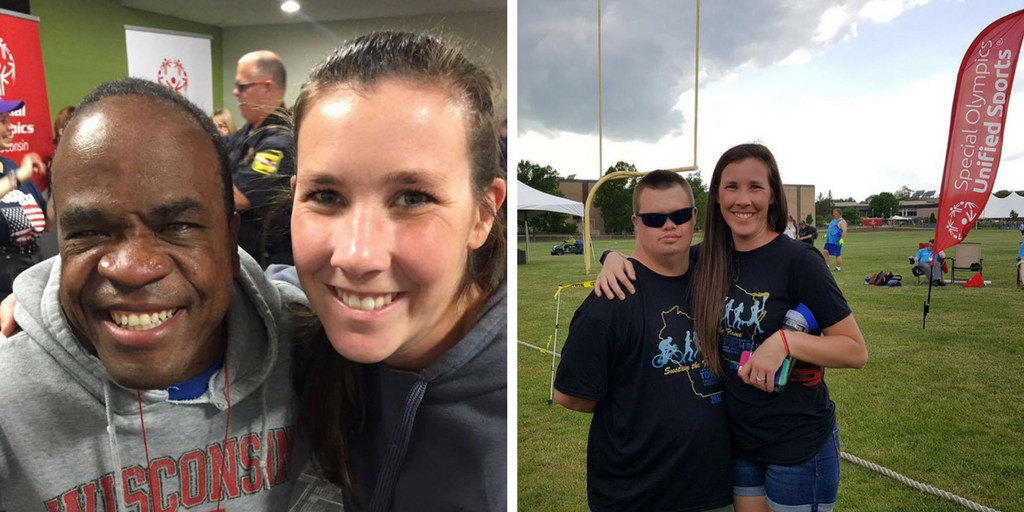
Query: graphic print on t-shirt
column 740, row 323
column 678, row 352
column 25, row 219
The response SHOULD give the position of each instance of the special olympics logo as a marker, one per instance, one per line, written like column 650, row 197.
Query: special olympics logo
column 961, row 216
column 172, row 74
column 7, row 74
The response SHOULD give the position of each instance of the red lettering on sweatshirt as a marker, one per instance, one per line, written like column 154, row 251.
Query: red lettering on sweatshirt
column 250, row 448
column 224, row 471
column 193, row 478
column 107, row 484
column 233, row 469
column 282, row 456
column 134, row 490
column 158, row 470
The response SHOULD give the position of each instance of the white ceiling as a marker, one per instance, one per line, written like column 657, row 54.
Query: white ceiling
column 240, row 13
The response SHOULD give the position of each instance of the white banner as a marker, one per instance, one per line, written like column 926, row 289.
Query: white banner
column 178, row 60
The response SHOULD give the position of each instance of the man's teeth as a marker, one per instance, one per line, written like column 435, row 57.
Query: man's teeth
column 368, row 303
column 141, row 321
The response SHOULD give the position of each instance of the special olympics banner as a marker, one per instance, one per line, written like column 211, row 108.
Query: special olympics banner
column 22, row 78
column 976, row 129
column 178, row 60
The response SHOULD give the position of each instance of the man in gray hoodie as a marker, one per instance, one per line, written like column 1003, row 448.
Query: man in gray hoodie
column 149, row 327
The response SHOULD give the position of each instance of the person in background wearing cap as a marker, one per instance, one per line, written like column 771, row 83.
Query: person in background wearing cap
column 21, row 203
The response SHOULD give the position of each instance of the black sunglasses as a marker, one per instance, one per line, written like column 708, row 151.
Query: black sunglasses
column 657, row 220
column 243, row 86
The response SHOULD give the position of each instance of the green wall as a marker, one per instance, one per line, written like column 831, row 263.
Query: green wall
column 83, row 45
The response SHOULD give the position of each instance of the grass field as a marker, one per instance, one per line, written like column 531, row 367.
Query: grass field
column 944, row 406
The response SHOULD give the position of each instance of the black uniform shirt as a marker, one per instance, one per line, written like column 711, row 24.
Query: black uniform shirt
column 262, row 162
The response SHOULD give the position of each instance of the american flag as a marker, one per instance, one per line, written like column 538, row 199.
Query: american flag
column 25, row 218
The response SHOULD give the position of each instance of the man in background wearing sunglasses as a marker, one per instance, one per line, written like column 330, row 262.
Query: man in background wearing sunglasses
column 262, row 157
column 659, row 438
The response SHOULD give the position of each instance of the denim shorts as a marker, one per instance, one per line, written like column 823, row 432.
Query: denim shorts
column 808, row 487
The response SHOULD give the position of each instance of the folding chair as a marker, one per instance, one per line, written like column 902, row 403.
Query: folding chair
column 968, row 258
column 917, row 272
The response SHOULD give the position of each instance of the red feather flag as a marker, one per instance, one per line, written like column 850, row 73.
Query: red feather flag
column 976, row 128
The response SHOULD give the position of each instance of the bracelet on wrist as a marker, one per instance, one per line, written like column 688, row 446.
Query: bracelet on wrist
column 604, row 255
column 785, row 343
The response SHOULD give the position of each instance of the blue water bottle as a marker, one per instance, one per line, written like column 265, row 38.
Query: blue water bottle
column 797, row 320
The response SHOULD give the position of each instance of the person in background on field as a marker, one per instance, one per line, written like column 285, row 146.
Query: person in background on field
column 923, row 261
column 808, row 233
column 790, row 228
column 224, row 122
column 1020, row 264
column 834, row 239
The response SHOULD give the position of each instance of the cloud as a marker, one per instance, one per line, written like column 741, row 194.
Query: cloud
column 647, row 55
column 884, row 11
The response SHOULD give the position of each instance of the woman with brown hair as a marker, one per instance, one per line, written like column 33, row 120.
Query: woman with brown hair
column 398, row 230
column 785, row 445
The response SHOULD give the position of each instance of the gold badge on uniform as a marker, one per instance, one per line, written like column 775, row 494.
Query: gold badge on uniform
column 267, row 162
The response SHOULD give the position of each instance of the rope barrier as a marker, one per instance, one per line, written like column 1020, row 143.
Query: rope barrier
column 977, row 507
column 915, row 484
column 543, row 351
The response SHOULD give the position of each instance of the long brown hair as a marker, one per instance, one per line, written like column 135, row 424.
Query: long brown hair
column 716, row 269
column 325, row 381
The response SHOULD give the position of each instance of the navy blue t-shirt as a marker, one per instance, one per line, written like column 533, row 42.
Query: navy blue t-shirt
column 785, row 428
column 659, row 438
column 22, row 211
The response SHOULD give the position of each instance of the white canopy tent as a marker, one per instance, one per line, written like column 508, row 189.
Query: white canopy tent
column 529, row 199
column 997, row 208
column 532, row 199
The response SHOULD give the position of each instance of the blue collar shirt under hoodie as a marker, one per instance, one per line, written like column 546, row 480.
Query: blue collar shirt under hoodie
column 70, row 436
column 436, row 440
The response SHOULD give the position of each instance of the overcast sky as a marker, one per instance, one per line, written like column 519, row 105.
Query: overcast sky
column 851, row 96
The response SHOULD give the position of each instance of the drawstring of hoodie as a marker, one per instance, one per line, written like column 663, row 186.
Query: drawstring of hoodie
column 227, row 424
column 265, row 452
column 145, row 444
column 114, row 450
column 388, row 478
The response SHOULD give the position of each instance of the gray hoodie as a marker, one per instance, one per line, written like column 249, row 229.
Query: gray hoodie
column 436, row 440
column 69, row 435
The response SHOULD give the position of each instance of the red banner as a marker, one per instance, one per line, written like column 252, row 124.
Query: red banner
column 976, row 128
column 22, row 78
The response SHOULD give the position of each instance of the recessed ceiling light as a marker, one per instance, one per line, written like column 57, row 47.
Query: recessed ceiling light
column 290, row 6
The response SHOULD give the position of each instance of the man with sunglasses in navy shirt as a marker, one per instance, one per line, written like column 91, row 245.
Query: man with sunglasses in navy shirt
column 659, row 437
column 262, row 157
